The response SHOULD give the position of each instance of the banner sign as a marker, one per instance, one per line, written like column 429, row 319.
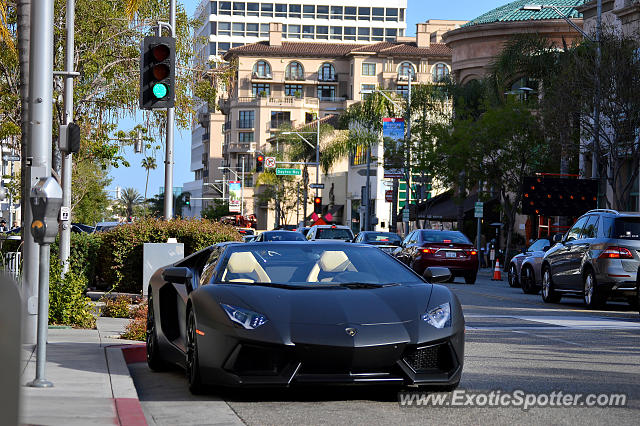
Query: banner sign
column 235, row 191
column 393, row 137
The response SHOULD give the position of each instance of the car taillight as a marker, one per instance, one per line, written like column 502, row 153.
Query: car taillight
column 428, row 250
column 616, row 253
column 473, row 252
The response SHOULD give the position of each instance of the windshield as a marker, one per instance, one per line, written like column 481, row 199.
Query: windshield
column 539, row 245
column 627, row 228
column 283, row 236
column 454, row 237
column 334, row 234
column 386, row 237
column 312, row 264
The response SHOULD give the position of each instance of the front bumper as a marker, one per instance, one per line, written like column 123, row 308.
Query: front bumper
column 435, row 363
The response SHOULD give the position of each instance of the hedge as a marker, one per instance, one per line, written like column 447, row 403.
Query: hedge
column 119, row 258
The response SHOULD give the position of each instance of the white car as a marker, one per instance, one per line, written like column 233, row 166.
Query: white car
column 330, row 232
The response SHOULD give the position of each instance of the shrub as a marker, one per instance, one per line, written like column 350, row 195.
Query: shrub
column 116, row 308
column 137, row 327
column 83, row 254
column 67, row 303
column 121, row 249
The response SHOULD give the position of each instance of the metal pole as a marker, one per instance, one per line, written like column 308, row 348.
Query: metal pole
column 39, row 151
column 67, row 164
column 298, row 205
column 43, row 320
column 408, row 155
column 478, row 236
column 595, row 166
column 318, row 155
column 367, row 201
column 242, row 190
column 168, row 163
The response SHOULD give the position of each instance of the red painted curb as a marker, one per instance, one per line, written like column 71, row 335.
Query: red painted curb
column 134, row 353
column 129, row 412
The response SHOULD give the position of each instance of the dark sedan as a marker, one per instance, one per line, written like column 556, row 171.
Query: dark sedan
column 280, row 236
column 294, row 313
column 385, row 241
column 429, row 247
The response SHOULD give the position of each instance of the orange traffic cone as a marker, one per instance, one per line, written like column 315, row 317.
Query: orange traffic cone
column 497, row 276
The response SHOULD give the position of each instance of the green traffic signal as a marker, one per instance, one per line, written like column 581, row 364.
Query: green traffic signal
column 160, row 90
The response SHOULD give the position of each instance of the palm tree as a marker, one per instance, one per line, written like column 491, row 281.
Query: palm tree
column 148, row 164
column 129, row 200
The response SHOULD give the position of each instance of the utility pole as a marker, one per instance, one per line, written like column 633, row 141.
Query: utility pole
column 38, row 160
column 367, row 200
column 168, row 162
column 67, row 163
column 242, row 190
column 595, row 165
column 407, row 142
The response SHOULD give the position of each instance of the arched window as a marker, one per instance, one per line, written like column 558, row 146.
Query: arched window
column 327, row 72
column 440, row 71
column 262, row 69
column 294, row 71
column 406, row 69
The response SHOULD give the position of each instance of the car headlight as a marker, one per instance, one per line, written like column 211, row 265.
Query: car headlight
column 244, row 317
column 439, row 317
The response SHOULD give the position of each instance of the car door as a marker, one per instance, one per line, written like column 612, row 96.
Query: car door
column 579, row 249
column 561, row 259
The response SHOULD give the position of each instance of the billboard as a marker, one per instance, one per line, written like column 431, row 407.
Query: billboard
column 554, row 196
column 393, row 137
column 235, row 191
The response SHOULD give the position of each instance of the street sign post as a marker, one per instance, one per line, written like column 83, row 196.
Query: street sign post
column 388, row 196
column 405, row 215
column 479, row 210
column 270, row 162
column 288, row 172
column 316, row 186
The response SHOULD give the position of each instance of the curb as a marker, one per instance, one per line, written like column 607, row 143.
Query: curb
column 125, row 397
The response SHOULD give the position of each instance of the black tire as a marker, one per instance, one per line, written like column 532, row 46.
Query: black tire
column 154, row 360
column 634, row 302
column 511, row 276
column 470, row 278
column 193, row 361
column 451, row 279
column 593, row 296
column 549, row 294
column 528, row 281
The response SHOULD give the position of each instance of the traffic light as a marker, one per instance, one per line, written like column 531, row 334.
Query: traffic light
column 548, row 196
column 187, row 199
column 317, row 205
column 157, row 72
column 259, row 163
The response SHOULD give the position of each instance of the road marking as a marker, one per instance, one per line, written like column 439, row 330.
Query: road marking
column 551, row 338
column 558, row 323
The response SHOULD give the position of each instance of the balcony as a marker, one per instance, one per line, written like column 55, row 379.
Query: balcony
column 257, row 76
column 275, row 124
column 332, row 99
column 245, row 124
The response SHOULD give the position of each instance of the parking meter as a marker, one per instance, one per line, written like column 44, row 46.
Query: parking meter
column 46, row 199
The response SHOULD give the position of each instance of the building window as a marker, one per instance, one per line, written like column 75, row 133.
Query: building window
column 322, row 12
column 440, row 71
column 293, row 31
column 326, row 92
column 294, row 11
column 401, row 15
column 246, row 119
column 238, row 8
column 377, row 13
column 392, row 14
column 406, row 69
column 363, row 33
column 368, row 69
column 327, row 72
column 308, row 31
column 322, row 32
column 266, row 9
column 253, row 9
column 238, row 29
column 214, row 7
column 224, row 28
column 350, row 13
column 224, row 8
column 294, row 71
column 234, row 45
column 336, row 33
column 366, row 89
column 223, row 48
column 377, row 34
column 402, row 90
column 260, row 89
column 264, row 30
column 245, row 137
column 349, row 33
column 336, row 12
column 213, row 28
column 293, row 90
column 281, row 10
column 252, row 30
column 212, row 49
column 364, row 13
column 279, row 118
column 309, row 11
column 262, row 69
column 392, row 33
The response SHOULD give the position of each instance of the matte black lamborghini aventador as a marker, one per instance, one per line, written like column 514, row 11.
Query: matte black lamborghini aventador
column 289, row 313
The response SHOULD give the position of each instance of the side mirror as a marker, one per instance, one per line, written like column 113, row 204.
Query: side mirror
column 176, row 274
column 437, row 274
column 557, row 238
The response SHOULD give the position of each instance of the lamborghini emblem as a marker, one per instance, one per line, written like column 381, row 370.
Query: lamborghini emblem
column 351, row 331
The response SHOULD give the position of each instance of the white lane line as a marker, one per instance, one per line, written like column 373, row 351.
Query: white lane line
column 567, row 322
column 551, row 338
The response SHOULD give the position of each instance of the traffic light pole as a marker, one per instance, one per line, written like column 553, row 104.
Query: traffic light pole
column 168, row 162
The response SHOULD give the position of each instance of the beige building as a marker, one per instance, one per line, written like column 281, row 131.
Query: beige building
column 293, row 82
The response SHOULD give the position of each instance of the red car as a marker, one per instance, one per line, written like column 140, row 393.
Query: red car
column 429, row 247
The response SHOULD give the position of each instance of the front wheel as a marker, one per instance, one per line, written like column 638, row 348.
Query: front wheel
column 511, row 276
column 154, row 360
column 193, row 362
column 549, row 294
column 470, row 278
column 593, row 296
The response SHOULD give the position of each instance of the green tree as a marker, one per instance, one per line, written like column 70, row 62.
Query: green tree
column 216, row 210
column 129, row 201
column 89, row 200
column 148, row 163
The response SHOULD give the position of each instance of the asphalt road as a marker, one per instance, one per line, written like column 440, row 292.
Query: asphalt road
column 513, row 342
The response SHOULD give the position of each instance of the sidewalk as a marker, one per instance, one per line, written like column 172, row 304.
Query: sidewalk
column 91, row 380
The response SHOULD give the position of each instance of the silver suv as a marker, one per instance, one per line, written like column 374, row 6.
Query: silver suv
column 597, row 259
column 330, row 232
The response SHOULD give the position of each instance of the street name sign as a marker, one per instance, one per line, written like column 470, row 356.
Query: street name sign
column 316, row 185
column 479, row 210
column 288, row 172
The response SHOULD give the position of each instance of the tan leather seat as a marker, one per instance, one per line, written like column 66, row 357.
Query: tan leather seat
column 244, row 262
column 330, row 262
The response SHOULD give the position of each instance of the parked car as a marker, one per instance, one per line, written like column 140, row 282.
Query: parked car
column 429, row 247
column 279, row 236
column 330, row 232
column 82, row 228
column 385, row 241
column 597, row 259
column 248, row 238
column 105, row 226
column 285, row 228
column 304, row 230
column 520, row 276
column 245, row 231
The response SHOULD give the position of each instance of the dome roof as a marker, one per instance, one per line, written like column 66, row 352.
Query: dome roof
column 513, row 12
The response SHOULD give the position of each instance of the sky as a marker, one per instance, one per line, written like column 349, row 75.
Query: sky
column 134, row 176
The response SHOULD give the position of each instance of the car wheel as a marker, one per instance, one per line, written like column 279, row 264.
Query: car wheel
column 593, row 297
column 527, row 281
column 193, row 362
column 154, row 360
column 634, row 302
column 511, row 276
column 470, row 278
column 549, row 294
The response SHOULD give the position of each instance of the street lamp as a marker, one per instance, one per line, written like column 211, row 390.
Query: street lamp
column 241, row 185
